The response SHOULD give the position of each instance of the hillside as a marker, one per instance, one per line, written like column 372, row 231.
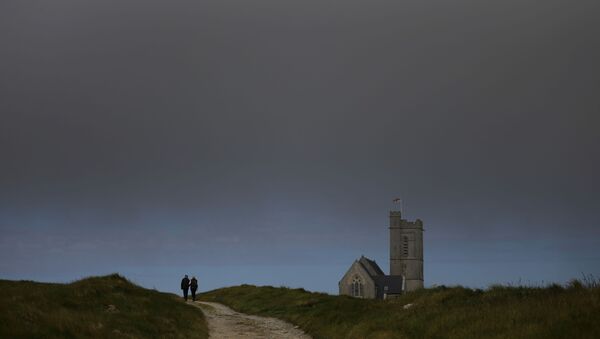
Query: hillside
column 442, row 312
column 105, row 307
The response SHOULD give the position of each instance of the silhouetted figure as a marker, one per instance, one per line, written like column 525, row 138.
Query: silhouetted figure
column 194, row 287
column 185, row 285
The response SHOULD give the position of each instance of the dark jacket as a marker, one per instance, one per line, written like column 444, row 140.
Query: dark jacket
column 194, row 284
column 185, row 283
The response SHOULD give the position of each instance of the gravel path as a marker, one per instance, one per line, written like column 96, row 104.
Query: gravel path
column 225, row 323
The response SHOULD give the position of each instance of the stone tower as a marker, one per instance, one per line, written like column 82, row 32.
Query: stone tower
column 406, row 250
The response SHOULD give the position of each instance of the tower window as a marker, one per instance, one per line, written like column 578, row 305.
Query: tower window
column 405, row 246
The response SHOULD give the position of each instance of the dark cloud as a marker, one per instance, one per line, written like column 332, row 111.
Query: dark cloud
column 143, row 135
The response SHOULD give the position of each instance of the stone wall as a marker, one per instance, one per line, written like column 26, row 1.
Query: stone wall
column 406, row 250
column 356, row 270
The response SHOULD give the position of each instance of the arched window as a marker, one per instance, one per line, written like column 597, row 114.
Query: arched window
column 357, row 287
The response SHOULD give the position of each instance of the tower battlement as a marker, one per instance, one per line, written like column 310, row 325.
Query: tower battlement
column 397, row 221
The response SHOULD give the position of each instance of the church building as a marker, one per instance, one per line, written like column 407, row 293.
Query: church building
column 365, row 279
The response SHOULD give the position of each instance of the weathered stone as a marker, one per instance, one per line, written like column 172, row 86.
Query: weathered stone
column 364, row 279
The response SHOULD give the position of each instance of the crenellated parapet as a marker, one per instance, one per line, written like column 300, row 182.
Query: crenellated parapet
column 396, row 221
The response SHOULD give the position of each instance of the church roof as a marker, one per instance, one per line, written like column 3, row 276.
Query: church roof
column 386, row 284
column 370, row 266
column 392, row 282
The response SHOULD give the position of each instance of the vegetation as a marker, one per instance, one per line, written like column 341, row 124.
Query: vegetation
column 443, row 312
column 99, row 307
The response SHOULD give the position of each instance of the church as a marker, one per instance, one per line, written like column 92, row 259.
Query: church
column 365, row 279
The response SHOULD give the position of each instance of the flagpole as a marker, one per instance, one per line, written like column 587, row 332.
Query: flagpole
column 399, row 201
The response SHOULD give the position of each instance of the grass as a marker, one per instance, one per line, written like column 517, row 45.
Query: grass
column 443, row 312
column 99, row 307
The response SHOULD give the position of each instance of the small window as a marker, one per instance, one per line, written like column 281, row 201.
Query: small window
column 405, row 246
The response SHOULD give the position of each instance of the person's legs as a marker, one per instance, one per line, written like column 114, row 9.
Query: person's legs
column 185, row 293
column 194, row 295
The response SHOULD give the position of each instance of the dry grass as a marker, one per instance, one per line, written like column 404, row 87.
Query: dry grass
column 443, row 312
column 99, row 307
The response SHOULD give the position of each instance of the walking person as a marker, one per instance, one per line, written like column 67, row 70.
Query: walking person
column 194, row 287
column 185, row 285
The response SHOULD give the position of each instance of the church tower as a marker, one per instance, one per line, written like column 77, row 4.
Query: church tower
column 406, row 250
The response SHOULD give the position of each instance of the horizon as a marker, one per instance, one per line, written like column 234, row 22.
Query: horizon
column 263, row 142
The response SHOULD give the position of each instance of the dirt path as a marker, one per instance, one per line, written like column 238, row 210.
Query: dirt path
column 226, row 323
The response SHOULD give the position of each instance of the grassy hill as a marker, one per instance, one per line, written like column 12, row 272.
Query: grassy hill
column 100, row 307
column 442, row 312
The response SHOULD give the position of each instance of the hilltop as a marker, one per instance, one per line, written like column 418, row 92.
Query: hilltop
column 112, row 307
column 442, row 312
column 100, row 307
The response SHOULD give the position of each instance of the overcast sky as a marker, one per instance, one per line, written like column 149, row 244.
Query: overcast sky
column 263, row 141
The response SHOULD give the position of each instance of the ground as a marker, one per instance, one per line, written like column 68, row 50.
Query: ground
column 224, row 322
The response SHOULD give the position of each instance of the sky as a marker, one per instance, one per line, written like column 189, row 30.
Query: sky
column 262, row 141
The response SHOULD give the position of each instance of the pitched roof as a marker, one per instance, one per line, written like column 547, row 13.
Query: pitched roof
column 393, row 283
column 370, row 266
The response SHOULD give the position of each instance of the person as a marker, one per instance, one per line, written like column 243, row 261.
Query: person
column 194, row 287
column 185, row 285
